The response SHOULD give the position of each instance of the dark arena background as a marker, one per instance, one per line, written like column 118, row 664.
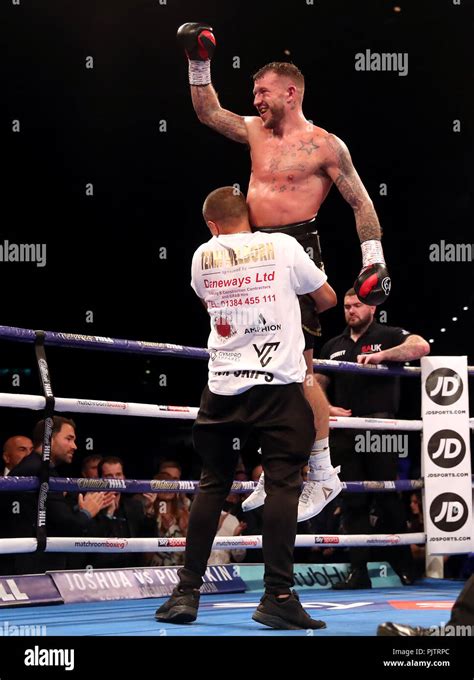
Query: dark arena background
column 106, row 168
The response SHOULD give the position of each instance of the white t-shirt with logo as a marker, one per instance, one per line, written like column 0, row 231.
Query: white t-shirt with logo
column 250, row 282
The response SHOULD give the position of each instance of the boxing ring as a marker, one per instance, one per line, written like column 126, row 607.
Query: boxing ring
column 347, row 613
column 354, row 613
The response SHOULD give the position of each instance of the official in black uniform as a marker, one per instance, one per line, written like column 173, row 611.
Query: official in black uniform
column 360, row 395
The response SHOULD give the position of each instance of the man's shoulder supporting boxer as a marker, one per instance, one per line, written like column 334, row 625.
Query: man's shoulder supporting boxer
column 254, row 250
column 249, row 282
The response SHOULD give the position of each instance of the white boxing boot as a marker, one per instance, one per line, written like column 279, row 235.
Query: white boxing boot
column 322, row 486
column 257, row 497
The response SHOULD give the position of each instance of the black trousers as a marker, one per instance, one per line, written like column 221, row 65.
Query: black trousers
column 307, row 236
column 282, row 419
column 388, row 507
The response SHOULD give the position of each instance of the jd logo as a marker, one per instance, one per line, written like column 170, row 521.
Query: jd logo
column 264, row 354
column 448, row 512
column 444, row 386
column 446, row 448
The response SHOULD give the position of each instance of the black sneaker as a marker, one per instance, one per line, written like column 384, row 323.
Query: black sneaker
column 389, row 629
column 182, row 607
column 358, row 579
column 284, row 615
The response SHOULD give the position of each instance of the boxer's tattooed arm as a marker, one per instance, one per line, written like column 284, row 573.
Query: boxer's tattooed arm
column 210, row 112
column 338, row 165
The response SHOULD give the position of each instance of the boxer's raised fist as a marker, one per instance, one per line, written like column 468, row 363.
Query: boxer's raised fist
column 197, row 40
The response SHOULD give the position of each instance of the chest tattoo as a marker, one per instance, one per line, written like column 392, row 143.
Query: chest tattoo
column 309, row 147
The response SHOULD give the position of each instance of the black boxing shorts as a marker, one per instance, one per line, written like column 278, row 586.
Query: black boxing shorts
column 307, row 236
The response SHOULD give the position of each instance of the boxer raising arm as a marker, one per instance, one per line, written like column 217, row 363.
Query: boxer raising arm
column 294, row 165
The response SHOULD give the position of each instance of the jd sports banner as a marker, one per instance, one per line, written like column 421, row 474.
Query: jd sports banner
column 446, row 455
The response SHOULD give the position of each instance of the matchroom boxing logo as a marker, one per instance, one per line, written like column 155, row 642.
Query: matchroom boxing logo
column 448, row 512
column 444, row 386
column 446, row 448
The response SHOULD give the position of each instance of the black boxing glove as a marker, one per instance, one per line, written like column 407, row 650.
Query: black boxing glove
column 197, row 40
column 373, row 284
column 199, row 43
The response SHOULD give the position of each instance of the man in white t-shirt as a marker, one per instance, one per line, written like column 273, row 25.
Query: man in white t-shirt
column 249, row 283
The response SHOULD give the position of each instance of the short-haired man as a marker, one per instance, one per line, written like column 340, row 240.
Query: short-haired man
column 63, row 519
column 14, row 450
column 89, row 466
column 123, row 517
column 249, row 284
column 366, row 341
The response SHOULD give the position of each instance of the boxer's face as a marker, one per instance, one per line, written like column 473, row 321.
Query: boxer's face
column 356, row 313
column 270, row 96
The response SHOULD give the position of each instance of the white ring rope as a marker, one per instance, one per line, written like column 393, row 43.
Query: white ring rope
column 90, row 544
column 120, row 408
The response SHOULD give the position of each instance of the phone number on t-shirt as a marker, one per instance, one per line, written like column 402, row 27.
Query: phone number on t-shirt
column 235, row 302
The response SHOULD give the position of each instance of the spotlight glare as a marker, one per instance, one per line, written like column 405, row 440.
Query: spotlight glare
column 431, row 341
column 455, row 318
column 443, row 330
column 465, row 309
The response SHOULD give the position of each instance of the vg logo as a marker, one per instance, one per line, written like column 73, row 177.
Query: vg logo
column 446, row 448
column 265, row 353
column 444, row 386
column 448, row 512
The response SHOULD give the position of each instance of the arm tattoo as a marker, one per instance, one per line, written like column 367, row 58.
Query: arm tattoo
column 368, row 228
column 209, row 111
column 230, row 125
column 351, row 188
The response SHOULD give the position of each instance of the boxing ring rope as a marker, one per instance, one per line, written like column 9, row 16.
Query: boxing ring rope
column 156, row 545
column 103, row 407
column 122, row 408
column 74, row 485
column 106, row 344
